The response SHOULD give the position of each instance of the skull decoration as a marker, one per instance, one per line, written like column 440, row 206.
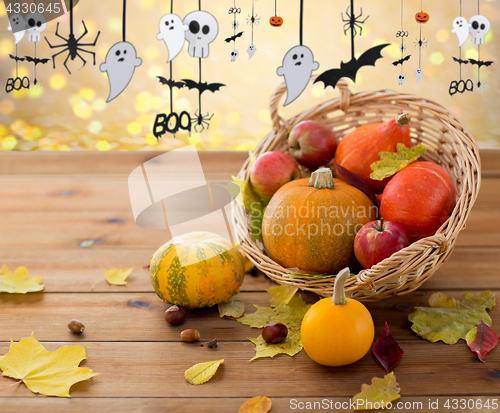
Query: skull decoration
column 234, row 55
column 36, row 23
column 401, row 79
column 479, row 27
column 202, row 30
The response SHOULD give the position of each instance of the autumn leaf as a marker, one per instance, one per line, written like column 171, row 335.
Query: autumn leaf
column 256, row 405
column 290, row 314
column 378, row 394
column 233, row 308
column 356, row 181
column 392, row 162
column 117, row 276
column 202, row 372
column 282, row 294
column 448, row 319
column 19, row 282
column 481, row 340
column 386, row 350
column 51, row 373
column 252, row 202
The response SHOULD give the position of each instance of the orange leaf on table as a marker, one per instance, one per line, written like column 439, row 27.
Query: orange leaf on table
column 256, row 405
column 481, row 340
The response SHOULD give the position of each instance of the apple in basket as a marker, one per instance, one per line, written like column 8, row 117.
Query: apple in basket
column 272, row 170
column 312, row 144
column 378, row 240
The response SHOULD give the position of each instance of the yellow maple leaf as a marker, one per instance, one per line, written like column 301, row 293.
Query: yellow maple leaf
column 233, row 308
column 256, row 405
column 392, row 162
column 117, row 276
column 282, row 294
column 51, row 373
column 378, row 394
column 19, row 282
column 202, row 372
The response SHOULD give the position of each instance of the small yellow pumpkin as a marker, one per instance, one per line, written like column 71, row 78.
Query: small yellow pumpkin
column 337, row 331
column 215, row 275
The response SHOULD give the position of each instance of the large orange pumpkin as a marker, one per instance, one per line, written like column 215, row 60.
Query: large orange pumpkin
column 203, row 283
column 311, row 224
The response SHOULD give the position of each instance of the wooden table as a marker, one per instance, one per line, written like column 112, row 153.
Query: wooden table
column 51, row 202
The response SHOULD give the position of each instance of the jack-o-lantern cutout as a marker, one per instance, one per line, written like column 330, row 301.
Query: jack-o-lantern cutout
column 276, row 21
column 422, row 17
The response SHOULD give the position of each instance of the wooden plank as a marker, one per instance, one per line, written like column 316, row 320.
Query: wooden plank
column 490, row 165
column 157, row 370
column 424, row 404
column 139, row 316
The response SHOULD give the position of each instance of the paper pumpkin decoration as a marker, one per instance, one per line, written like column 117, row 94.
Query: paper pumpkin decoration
column 422, row 17
column 276, row 21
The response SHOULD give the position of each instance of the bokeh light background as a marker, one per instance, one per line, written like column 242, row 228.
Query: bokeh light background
column 68, row 112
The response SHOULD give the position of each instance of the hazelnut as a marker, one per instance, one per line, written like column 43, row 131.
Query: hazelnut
column 275, row 333
column 76, row 326
column 190, row 335
column 175, row 315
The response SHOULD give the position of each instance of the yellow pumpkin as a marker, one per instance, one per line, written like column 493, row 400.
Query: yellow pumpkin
column 337, row 331
column 203, row 283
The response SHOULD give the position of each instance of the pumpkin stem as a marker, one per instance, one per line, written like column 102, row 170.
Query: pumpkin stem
column 322, row 179
column 338, row 288
column 403, row 120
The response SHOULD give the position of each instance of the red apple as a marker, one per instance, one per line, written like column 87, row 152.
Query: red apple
column 312, row 144
column 271, row 171
column 378, row 240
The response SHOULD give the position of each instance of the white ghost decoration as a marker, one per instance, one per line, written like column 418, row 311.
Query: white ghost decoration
column 202, row 30
column 172, row 33
column 461, row 29
column 251, row 51
column 120, row 65
column 234, row 55
column 18, row 27
column 401, row 79
column 36, row 23
column 297, row 68
column 418, row 74
column 479, row 27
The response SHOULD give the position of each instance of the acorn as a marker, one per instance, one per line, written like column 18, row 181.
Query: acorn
column 190, row 335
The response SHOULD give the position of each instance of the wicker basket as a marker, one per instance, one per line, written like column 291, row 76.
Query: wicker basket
column 449, row 144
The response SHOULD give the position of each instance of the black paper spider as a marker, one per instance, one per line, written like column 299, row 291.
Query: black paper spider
column 73, row 46
column 353, row 21
column 420, row 42
column 200, row 120
column 253, row 19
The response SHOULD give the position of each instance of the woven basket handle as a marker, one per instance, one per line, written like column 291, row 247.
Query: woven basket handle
column 278, row 121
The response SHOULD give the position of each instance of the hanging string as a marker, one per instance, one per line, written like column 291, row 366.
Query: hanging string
column 275, row 7
column 460, row 48
column 17, row 63
column 199, row 5
column 402, row 37
column 421, row 7
column 352, row 32
column 460, row 8
column 35, row 64
column 302, row 21
column 71, row 18
column 199, row 96
column 253, row 4
column 420, row 49
column 171, row 6
column 402, row 18
column 124, row 23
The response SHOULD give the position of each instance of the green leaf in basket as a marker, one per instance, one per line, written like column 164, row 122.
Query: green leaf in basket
column 392, row 162
column 313, row 275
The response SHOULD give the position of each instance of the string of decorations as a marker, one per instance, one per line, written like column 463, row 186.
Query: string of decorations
column 276, row 21
column 402, row 34
column 234, row 24
column 461, row 29
column 480, row 26
column 421, row 18
column 254, row 19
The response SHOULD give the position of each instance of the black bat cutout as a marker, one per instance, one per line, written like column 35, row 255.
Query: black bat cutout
column 202, row 86
column 16, row 58
column 401, row 61
column 36, row 60
column 461, row 61
column 350, row 69
column 233, row 38
column 171, row 83
column 481, row 63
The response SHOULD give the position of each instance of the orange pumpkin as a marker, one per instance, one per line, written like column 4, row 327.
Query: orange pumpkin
column 276, row 21
column 312, row 224
column 422, row 17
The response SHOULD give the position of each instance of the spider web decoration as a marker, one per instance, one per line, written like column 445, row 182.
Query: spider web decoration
column 121, row 61
column 17, row 25
column 352, row 23
column 402, row 34
column 421, row 18
column 235, row 24
column 276, row 21
column 72, row 45
column 298, row 65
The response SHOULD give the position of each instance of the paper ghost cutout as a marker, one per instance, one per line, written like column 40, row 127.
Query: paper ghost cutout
column 120, row 65
column 297, row 68
column 172, row 33
column 418, row 74
column 251, row 51
column 17, row 26
column 461, row 29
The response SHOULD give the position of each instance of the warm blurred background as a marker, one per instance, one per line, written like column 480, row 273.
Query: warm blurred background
column 69, row 112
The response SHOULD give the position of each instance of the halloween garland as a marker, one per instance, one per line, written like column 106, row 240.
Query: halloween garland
column 461, row 29
column 121, row 61
column 276, row 21
column 480, row 26
column 18, row 27
column 402, row 48
column 234, row 24
column 253, row 20
column 298, row 65
column 421, row 18
column 368, row 58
